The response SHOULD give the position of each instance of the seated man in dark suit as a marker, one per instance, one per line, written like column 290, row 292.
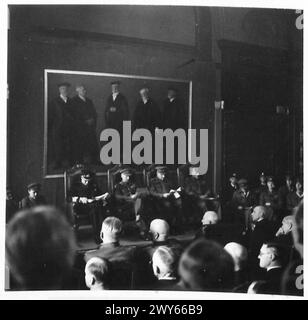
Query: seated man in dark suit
column 122, row 258
column 88, row 199
column 263, row 230
column 284, row 233
column 164, row 263
column 159, row 232
column 34, row 197
column 217, row 231
column 272, row 258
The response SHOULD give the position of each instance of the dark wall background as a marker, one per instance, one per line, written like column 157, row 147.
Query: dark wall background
column 33, row 48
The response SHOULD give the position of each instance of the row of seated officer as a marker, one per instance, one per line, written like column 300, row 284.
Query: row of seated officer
column 136, row 206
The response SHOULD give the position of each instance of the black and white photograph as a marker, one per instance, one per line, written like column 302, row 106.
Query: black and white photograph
column 154, row 150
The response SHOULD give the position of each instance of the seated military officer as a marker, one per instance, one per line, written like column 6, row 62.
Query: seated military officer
column 270, row 200
column 88, row 199
column 128, row 200
column 198, row 197
column 34, row 198
column 243, row 200
column 167, row 201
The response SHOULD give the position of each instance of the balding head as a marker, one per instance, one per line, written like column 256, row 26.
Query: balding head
column 111, row 230
column 165, row 261
column 238, row 253
column 159, row 230
column 258, row 213
column 286, row 226
column 210, row 217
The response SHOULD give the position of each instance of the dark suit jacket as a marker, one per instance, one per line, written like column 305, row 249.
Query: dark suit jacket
column 273, row 281
column 222, row 233
column 293, row 200
column 147, row 116
column 173, row 115
column 116, row 112
column 264, row 231
column 27, row 203
column 164, row 285
column 123, row 260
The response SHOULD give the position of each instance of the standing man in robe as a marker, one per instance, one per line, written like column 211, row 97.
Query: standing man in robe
column 61, row 127
column 86, row 116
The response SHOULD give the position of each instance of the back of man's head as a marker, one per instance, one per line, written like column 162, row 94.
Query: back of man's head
column 97, row 273
column 160, row 230
column 210, row 217
column 165, row 261
column 111, row 229
column 40, row 248
column 238, row 253
column 259, row 212
column 205, row 265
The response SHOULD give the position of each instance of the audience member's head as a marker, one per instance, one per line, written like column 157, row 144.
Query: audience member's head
column 270, row 183
column 233, row 179
column 144, row 93
column 262, row 178
column 243, row 184
column 63, row 88
column 111, row 230
column 97, row 274
column 34, row 189
column 164, row 262
column 87, row 177
column 258, row 214
column 40, row 248
column 172, row 92
column 205, row 265
column 297, row 230
column 289, row 180
column 257, row 287
column 210, row 217
column 271, row 255
column 299, row 185
column 238, row 253
column 159, row 230
column 126, row 174
column 286, row 226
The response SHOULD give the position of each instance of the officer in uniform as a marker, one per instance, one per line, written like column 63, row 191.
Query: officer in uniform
column 270, row 200
column 283, row 192
column 196, row 195
column 86, row 116
column 167, row 201
column 61, row 124
column 116, row 110
column 127, row 198
column 294, row 198
column 261, row 187
column 88, row 199
column 242, row 201
column 34, row 197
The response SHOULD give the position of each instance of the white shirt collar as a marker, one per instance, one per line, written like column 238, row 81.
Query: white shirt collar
column 82, row 98
column 63, row 98
column 114, row 95
column 172, row 99
column 274, row 267
column 145, row 100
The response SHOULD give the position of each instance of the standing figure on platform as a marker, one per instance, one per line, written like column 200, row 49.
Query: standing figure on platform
column 147, row 114
column 174, row 116
column 116, row 110
column 243, row 200
column 86, row 116
column 61, row 127
column 34, row 197
column 167, row 201
column 88, row 199
column 270, row 200
column 230, row 188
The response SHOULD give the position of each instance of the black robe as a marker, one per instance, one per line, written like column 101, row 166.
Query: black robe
column 173, row 115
